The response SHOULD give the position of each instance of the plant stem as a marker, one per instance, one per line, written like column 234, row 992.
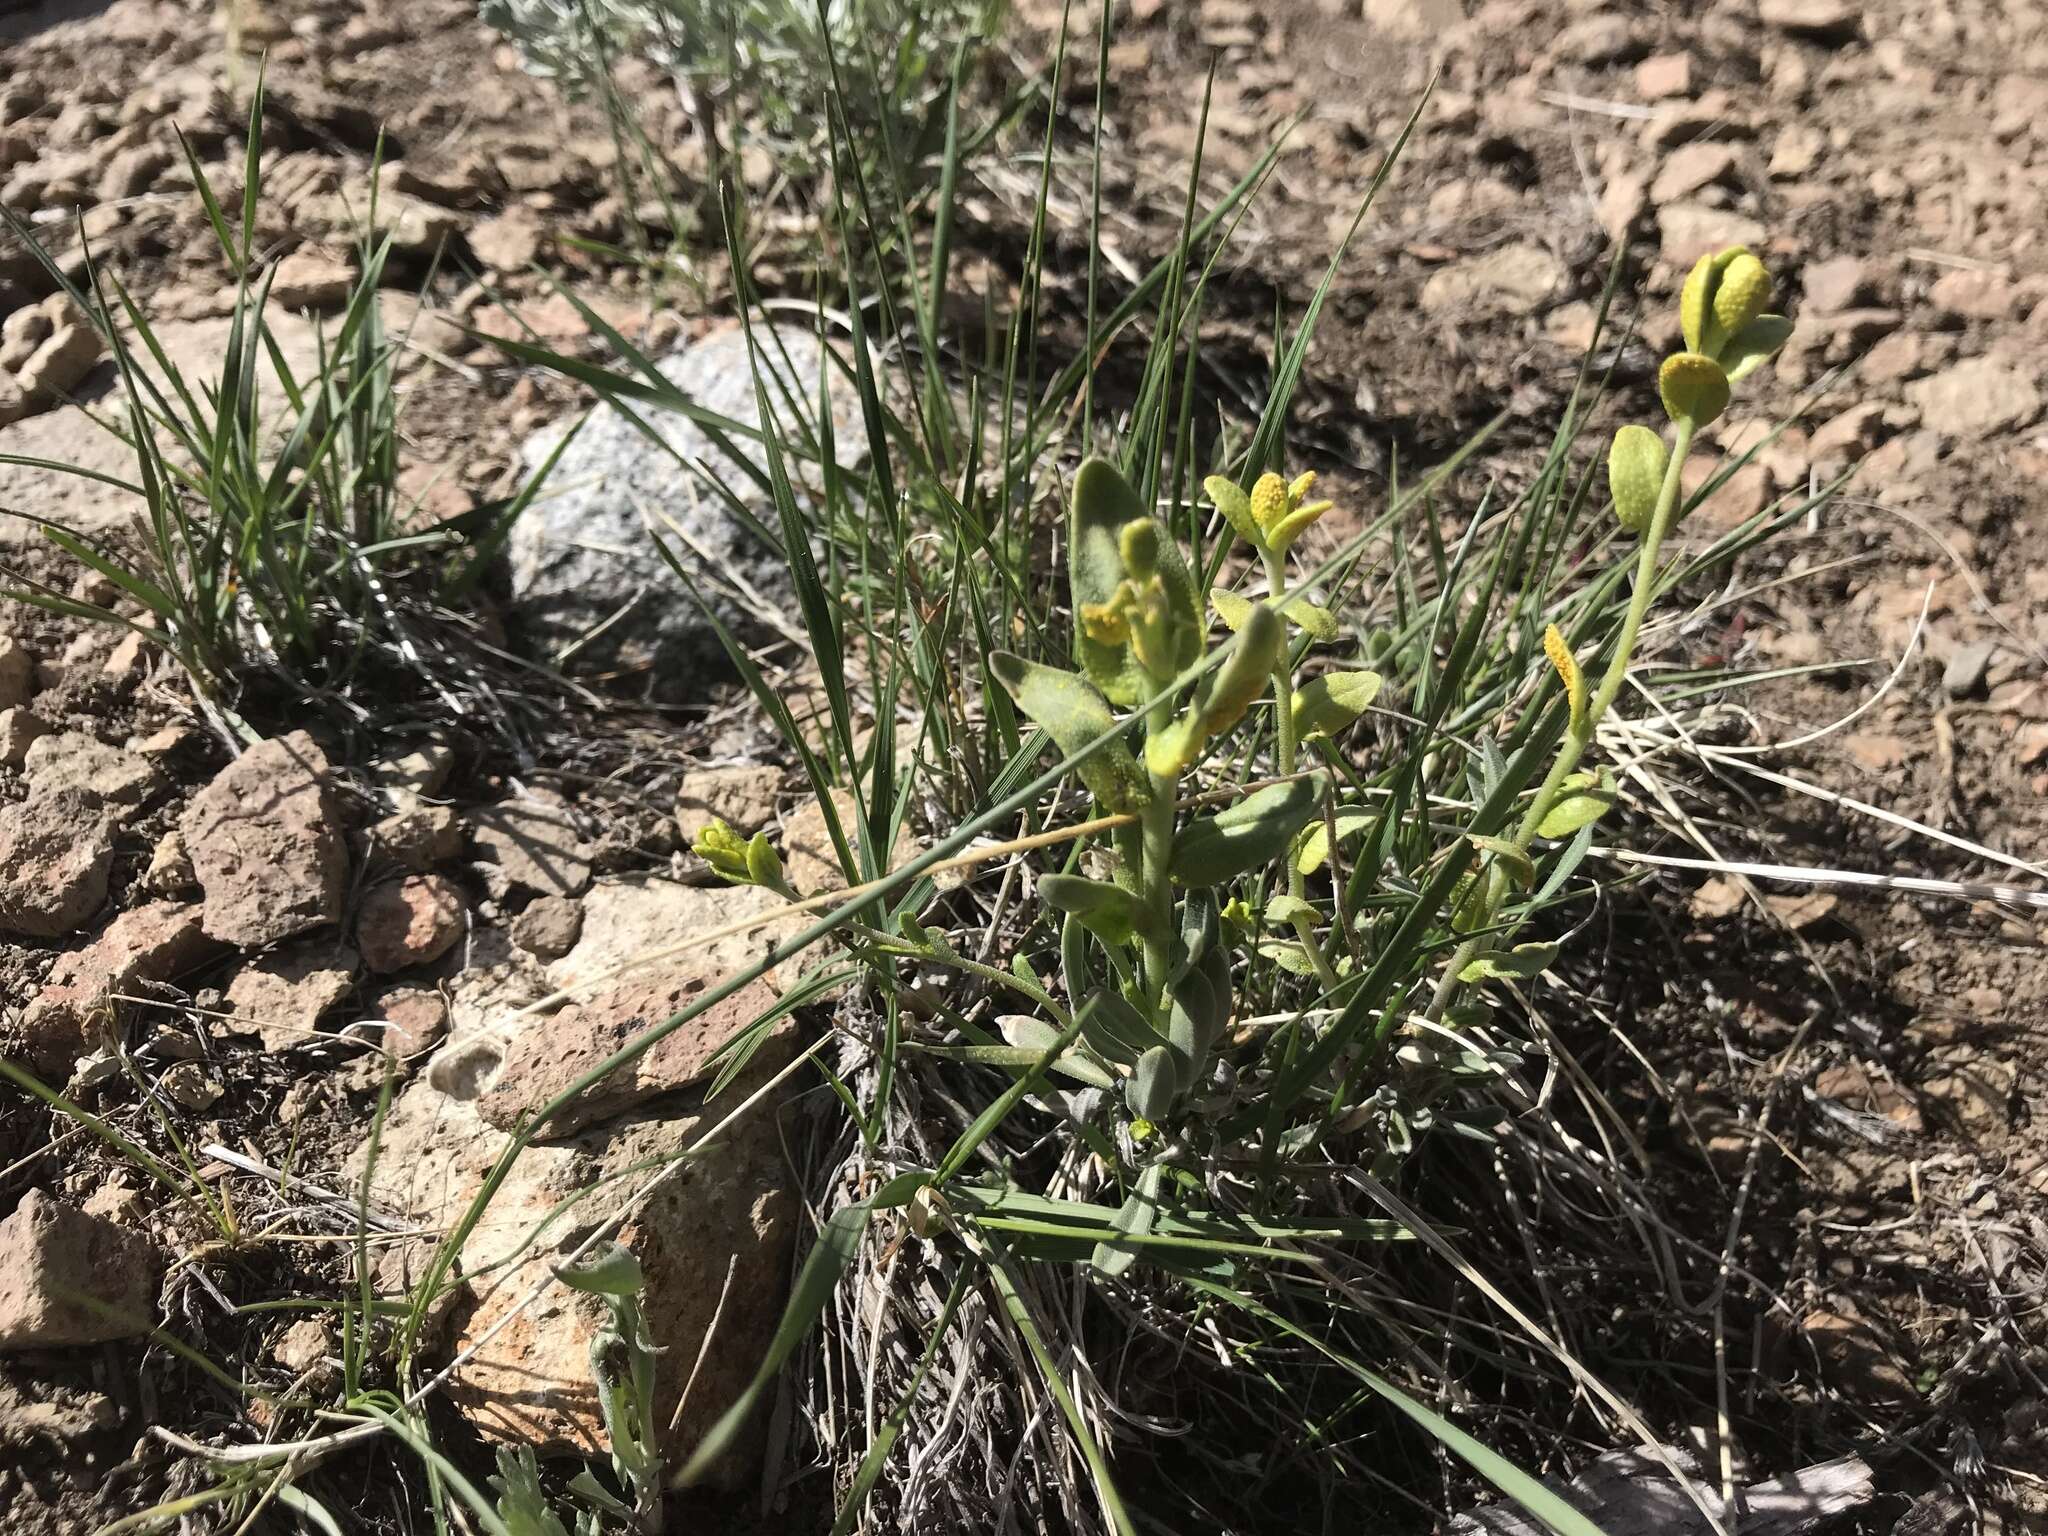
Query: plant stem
column 1156, row 881
column 1287, row 750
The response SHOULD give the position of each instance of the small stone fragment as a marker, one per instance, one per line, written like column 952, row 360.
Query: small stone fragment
column 416, row 838
column 415, row 1020
column 1977, row 398
column 1974, row 294
column 1688, row 231
column 409, row 922
column 303, row 1346
column 1664, row 75
column 85, row 765
column 61, row 362
column 529, row 845
column 17, row 674
column 1831, row 21
column 55, row 854
column 1512, row 280
column 1692, row 166
column 67, row 1278
column 742, row 795
column 170, row 867
column 509, row 242
column 543, row 1061
column 158, row 942
column 18, row 732
column 549, row 928
column 133, row 171
column 310, row 279
column 282, row 999
column 1963, row 677
column 188, row 1084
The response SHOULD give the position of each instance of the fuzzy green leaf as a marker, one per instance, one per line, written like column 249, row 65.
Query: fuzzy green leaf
column 1316, row 622
column 1287, row 909
column 1103, row 503
column 1073, row 715
column 1752, row 346
column 1109, row 1018
column 1586, row 798
column 1152, row 1084
column 1313, row 852
column 1326, row 704
column 1134, row 1218
column 1636, row 462
column 1520, row 868
column 1235, row 506
column 1253, row 832
column 1520, row 963
column 1223, row 698
column 1105, row 909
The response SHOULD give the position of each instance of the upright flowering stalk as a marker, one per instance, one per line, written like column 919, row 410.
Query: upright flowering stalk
column 1729, row 334
column 1270, row 517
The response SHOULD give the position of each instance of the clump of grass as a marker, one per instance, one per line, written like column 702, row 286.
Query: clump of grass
column 759, row 74
column 273, row 554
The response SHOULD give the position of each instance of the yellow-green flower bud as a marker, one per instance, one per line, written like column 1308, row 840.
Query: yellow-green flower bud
column 1635, row 475
column 1743, row 294
column 1269, row 500
column 1139, row 545
column 1693, row 387
column 1696, row 301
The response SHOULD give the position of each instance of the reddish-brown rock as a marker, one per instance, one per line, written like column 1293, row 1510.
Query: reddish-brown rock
column 158, row 942
column 54, row 857
column 409, row 922
column 266, row 843
column 67, row 1278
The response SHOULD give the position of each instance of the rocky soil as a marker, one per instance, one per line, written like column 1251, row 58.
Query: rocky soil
column 243, row 947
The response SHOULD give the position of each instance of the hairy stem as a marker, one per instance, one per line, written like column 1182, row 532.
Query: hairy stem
column 1156, row 880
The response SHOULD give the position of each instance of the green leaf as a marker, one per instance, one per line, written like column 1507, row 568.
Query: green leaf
column 1073, row 715
column 1134, row 1218
column 1291, row 958
column 310, row 1509
column 1511, row 857
column 1521, row 963
column 1152, row 1085
column 1253, row 832
column 1585, row 800
column 1109, row 1016
column 1290, row 910
column 1317, row 622
column 1326, row 704
column 613, row 1270
column 1636, row 462
column 1231, row 608
column 1103, row 503
column 1224, row 695
column 1107, row 910
column 1314, row 850
column 1752, row 346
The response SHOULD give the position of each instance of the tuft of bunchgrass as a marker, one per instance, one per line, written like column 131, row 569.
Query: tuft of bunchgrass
column 272, row 553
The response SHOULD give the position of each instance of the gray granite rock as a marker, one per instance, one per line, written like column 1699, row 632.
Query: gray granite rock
column 583, row 552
